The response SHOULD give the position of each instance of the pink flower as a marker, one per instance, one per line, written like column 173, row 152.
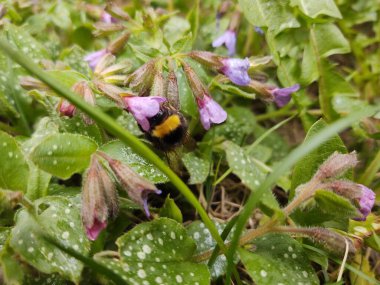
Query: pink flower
column 366, row 202
column 210, row 112
column 229, row 39
column 95, row 229
column 94, row 57
column 143, row 108
column 236, row 70
column 65, row 108
column 107, row 18
column 282, row 96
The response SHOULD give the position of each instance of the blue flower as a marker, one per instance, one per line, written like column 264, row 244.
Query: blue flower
column 236, row 70
column 228, row 39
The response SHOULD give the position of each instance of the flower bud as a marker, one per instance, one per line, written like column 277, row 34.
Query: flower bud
column 172, row 90
column 111, row 91
column 82, row 89
column 99, row 199
column 102, row 28
column 207, row 58
column 137, row 187
column 117, row 12
column 65, row 108
column 3, row 10
column 118, row 44
column 196, row 85
column 336, row 165
column 30, row 83
column 332, row 242
column 141, row 80
column 158, row 86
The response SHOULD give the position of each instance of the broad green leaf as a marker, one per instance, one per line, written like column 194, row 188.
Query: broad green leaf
column 38, row 182
column 249, row 172
column 158, row 252
column 60, row 15
column 4, row 233
column 62, row 155
column 314, row 8
column 76, row 125
column 198, row 168
column 11, row 267
column 204, row 241
column 26, row 43
column 175, row 29
column 118, row 150
column 278, row 259
column 186, row 98
column 306, row 168
column 327, row 40
column 74, row 57
column 171, row 210
column 60, row 218
column 14, row 169
column 272, row 14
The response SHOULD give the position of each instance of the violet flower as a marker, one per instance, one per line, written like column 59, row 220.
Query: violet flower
column 94, row 57
column 143, row 108
column 210, row 112
column 228, row 39
column 282, row 96
column 366, row 202
column 236, row 70
column 107, row 18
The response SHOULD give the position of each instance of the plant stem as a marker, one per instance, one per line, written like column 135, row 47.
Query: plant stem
column 114, row 128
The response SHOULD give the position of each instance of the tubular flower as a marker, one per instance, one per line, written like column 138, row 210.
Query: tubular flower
column 236, row 70
column 366, row 202
column 143, row 108
column 99, row 199
column 282, row 96
column 94, row 57
column 210, row 112
column 228, row 39
column 137, row 187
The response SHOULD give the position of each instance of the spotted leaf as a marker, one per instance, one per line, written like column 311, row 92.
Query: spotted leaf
column 14, row 170
column 205, row 241
column 198, row 168
column 117, row 150
column 278, row 259
column 158, row 252
column 60, row 218
column 63, row 155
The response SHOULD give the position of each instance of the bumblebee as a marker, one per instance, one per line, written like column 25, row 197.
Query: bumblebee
column 168, row 129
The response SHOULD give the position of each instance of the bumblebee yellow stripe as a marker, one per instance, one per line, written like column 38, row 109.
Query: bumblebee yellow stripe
column 167, row 126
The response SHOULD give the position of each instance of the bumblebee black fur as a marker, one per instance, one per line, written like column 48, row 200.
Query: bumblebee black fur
column 168, row 128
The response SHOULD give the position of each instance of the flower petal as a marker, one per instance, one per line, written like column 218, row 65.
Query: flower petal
column 236, row 70
column 282, row 96
column 94, row 231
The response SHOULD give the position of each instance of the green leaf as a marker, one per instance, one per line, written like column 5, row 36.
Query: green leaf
column 26, row 43
column 278, row 259
column 14, row 170
column 62, row 155
column 60, row 218
column 205, row 242
column 11, row 267
column 171, row 210
column 76, row 125
column 186, row 98
column 249, row 172
column 73, row 56
column 198, row 168
column 158, row 252
column 60, row 15
column 272, row 14
column 38, row 182
column 305, row 168
column 117, row 150
column 328, row 40
column 314, row 8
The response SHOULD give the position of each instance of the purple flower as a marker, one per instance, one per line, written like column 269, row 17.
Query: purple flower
column 210, row 112
column 65, row 108
column 94, row 57
column 229, row 39
column 236, row 70
column 107, row 18
column 259, row 30
column 143, row 108
column 366, row 202
column 282, row 96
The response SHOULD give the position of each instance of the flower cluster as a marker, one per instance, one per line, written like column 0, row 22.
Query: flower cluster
column 328, row 177
column 99, row 195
